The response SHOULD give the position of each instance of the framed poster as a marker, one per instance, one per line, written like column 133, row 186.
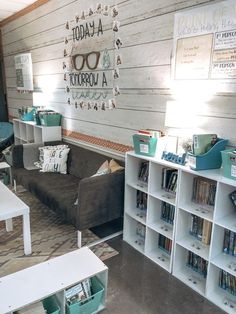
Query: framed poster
column 24, row 72
column 205, row 46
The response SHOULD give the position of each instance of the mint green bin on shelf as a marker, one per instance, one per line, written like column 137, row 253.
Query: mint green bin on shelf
column 51, row 306
column 229, row 163
column 50, row 119
column 144, row 145
column 90, row 305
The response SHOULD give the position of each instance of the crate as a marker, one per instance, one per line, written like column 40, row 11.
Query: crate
column 50, row 305
column 144, row 145
column 50, row 119
column 91, row 304
column 229, row 163
column 210, row 160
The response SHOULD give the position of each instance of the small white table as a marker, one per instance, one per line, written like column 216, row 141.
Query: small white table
column 4, row 165
column 11, row 206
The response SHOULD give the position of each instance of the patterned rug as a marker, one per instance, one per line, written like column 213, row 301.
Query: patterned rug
column 50, row 237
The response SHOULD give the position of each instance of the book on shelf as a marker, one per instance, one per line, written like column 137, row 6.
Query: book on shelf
column 151, row 132
column 164, row 243
column 227, row 282
column 143, row 171
column 201, row 229
column 197, row 263
column 169, row 179
column 79, row 292
column 229, row 242
column 203, row 142
column 204, row 191
column 206, row 232
column 167, row 212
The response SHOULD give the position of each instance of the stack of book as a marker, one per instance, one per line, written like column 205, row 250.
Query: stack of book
column 204, row 191
column 227, row 282
column 201, row 229
column 229, row 244
column 169, row 179
column 150, row 133
column 143, row 172
column 141, row 200
column 197, row 263
column 167, row 212
column 164, row 243
column 79, row 293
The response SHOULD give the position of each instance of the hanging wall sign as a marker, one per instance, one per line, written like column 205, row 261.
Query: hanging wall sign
column 205, row 45
column 91, row 64
column 24, row 72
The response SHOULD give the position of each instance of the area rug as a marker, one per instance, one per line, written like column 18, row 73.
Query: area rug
column 50, row 237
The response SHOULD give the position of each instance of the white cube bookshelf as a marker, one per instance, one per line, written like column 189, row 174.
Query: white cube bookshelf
column 186, row 246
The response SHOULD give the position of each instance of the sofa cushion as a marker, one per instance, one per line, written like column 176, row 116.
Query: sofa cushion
column 55, row 159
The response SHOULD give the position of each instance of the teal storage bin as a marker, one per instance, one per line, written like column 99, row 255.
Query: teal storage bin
column 210, row 160
column 92, row 303
column 50, row 305
column 229, row 163
column 50, row 119
column 144, row 145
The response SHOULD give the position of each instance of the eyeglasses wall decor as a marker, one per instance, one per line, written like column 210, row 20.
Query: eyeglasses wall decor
column 91, row 71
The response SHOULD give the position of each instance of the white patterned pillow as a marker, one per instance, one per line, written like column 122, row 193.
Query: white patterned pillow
column 39, row 164
column 55, row 159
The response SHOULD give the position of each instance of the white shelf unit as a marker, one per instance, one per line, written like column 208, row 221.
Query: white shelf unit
column 53, row 277
column 29, row 132
column 186, row 247
column 156, row 229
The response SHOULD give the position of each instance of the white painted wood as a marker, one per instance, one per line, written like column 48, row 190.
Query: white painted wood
column 54, row 276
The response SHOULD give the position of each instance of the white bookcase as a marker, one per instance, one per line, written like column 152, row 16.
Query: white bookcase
column 185, row 246
column 29, row 132
column 53, row 277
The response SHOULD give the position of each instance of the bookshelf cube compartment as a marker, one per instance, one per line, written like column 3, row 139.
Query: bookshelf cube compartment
column 155, row 250
column 134, row 233
column 137, row 174
column 161, row 216
column 194, row 233
column 224, row 249
column 136, row 204
column 225, row 217
column 222, row 297
column 188, row 275
column 197, row 195
column 163, row 182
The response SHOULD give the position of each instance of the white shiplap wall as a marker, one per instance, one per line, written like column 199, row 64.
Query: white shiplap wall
column 147, row 33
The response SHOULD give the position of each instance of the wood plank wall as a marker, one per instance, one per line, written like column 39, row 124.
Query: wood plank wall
column 147, row 32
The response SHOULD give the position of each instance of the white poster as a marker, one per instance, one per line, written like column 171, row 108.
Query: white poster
column 205, row 45
column 24, row 72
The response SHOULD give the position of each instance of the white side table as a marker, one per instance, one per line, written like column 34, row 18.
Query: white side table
column 11, row 206
column 4, row 165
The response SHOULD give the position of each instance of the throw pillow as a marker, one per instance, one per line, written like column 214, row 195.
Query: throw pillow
column 114, row 166
column 31, row 155
column 103, row 169
column 55, row 159
column 39, row 163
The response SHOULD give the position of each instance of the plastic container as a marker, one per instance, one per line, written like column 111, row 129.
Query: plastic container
column 210, row 160
column 50, row 119
column 144, row 145
column 90, row 305
column 51, row 306
column 229, row 163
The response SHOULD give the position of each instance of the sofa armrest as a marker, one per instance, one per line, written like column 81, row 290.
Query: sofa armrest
column 100, row 199
column 17, row 156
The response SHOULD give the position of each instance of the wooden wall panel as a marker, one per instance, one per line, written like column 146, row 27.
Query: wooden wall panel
column 147, row 33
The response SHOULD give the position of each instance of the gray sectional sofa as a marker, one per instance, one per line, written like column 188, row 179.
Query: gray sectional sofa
column 100, row 198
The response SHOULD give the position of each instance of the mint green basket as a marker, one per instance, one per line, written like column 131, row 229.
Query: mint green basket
column 50, row 119
column 50, row 305
column 90, row 305
column 144, row 145
column 229, row 163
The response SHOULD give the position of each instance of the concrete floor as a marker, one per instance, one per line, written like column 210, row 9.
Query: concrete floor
column 136, row 285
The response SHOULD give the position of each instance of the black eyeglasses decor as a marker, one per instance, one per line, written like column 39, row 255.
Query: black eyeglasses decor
column 91, row 59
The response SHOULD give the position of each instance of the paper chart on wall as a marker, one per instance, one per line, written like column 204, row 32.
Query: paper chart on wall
column 24, row 72
column 205, row 46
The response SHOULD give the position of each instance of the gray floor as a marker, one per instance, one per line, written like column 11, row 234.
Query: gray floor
column 137, row 285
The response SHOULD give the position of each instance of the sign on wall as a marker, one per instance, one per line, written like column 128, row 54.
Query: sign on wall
column 205, row 45
column 24, row 72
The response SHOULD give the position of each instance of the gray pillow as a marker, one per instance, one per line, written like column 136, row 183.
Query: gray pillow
column 31, row 155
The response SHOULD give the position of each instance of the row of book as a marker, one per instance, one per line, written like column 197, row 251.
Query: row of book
column 165, row 243
column 79, row 293
column 229, row 244
column 169, row 179
column 168, row 212
column 140, row 230
column 141, row 200
column 227, row 282
column 204, row 191
column 201, row 229
column 143, row 172
column 197, row 263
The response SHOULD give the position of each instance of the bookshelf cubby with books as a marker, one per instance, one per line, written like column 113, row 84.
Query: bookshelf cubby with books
column 188, row 221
